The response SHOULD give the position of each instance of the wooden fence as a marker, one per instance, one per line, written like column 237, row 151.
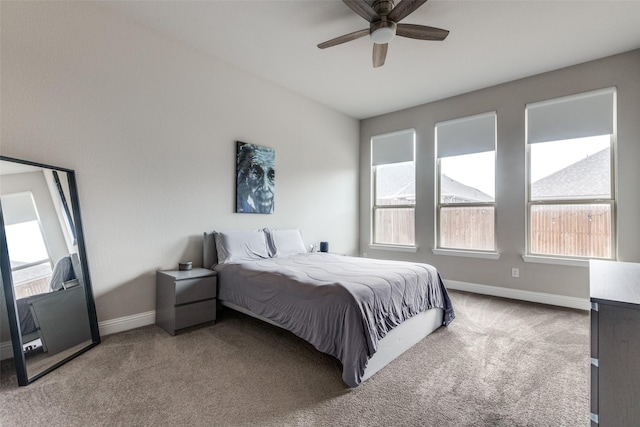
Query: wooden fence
column 578, row 230
column 395, row 226
column 571, row 230
column 467, row 228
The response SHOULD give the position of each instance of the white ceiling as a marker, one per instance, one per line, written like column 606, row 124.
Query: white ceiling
column 490, row 42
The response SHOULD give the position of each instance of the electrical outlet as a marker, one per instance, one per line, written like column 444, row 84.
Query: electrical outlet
column 515, row 272
column 364, row 254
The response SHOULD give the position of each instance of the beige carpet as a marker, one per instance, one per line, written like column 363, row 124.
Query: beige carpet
column 500, row 363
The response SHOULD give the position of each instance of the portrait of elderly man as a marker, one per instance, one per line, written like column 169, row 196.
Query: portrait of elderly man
column 255, row 175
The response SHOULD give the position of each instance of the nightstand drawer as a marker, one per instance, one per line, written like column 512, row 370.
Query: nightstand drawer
column 196, row 289
column 196, row 313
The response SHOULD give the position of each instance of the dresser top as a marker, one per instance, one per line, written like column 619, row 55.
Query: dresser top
column 188, row 274
column 614, row 282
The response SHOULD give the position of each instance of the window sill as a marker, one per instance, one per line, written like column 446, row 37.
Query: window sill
column 466, row 254
column 396, row 248
column 572, row 262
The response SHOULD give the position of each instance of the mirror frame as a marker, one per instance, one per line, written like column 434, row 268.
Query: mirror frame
column 7, row 282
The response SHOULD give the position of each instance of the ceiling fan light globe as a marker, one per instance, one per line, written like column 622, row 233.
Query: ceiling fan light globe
column 383, row 35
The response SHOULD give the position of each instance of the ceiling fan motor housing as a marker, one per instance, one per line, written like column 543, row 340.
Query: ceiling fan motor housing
column 383, row 7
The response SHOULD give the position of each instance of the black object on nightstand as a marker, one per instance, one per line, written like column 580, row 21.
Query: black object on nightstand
column 185, row 298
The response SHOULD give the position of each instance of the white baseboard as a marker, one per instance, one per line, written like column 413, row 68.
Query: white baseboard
column 125, row 323
column 539, row 297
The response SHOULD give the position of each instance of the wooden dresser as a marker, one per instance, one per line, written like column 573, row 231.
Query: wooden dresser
column 615, row 343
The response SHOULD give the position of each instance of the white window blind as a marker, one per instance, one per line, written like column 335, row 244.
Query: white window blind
column 576, row 116
column 393, row 147
column 18, row 208
column 467, row 135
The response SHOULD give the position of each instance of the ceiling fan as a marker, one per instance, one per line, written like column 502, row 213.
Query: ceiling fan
column 384, row 25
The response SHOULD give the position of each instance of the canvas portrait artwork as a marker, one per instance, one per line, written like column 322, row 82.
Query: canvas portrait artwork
column 255, row 178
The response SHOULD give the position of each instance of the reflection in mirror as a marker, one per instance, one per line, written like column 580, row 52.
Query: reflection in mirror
column 44, row 270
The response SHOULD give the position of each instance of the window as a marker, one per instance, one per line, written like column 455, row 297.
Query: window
column 394, row 188
column 28, row 254
column 571, row 200
column 465, row 173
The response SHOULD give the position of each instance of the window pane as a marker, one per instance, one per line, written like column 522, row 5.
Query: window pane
column 32, row 280
column 582, row 230
column 571, row 169
column 25, row 243
column 395, row 184
column 467, row 228
column 394, row 226
column 31, row 273
column 469, row 178
column 30, row 264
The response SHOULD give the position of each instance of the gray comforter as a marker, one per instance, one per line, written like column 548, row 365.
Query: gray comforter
column 342, row 305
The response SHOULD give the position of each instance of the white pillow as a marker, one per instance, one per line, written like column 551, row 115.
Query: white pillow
column 285, row 242
column 241, row 245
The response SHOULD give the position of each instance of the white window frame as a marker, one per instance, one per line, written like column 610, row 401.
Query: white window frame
column 571, row 260
column 463, row 146
column 375, row 207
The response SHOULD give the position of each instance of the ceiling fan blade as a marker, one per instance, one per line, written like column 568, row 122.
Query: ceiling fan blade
column 362, row 8
column 421, row 32
column 344, row 39
column 379, row 54
column 404, row 9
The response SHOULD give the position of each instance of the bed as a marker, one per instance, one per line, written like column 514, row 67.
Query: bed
column 365, row 312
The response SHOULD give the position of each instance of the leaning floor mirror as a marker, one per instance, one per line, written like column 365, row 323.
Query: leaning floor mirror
column 45, row 276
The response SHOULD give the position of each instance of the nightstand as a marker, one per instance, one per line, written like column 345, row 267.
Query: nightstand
column 185, row 298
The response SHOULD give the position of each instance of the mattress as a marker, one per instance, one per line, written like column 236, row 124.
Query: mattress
column 342, row 305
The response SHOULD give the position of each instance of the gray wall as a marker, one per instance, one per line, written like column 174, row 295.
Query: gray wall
column 149, row 125
column 509, row 101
